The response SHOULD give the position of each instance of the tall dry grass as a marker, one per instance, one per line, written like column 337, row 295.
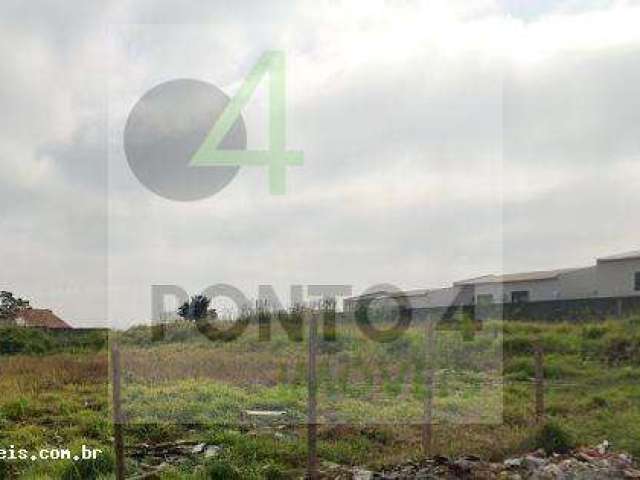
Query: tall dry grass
column 28, row 376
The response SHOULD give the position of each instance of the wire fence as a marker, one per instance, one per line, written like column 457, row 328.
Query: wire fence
column 431, row 379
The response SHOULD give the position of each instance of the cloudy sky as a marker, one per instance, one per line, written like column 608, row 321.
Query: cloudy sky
column 442, row 140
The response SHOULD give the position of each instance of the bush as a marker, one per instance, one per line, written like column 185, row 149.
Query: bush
column 519, row 368
column 467, row 328
column 104, row 464
column 622, row 348
column 560, row 343
column 79, row 340
column 552, row 438
column 5, row 470
column 273, row 471
column 521, row 328
column 24, row 340
column 16, row 410
column 517, row 345
column 598, row 402
column 219, row 469
column 594, row 332
column 34, row 341
column 153, row 432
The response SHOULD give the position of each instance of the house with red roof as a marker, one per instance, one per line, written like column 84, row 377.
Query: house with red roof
column 39, row 318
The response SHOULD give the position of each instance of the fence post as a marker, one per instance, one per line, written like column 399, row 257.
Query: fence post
column 118, row 440
column 539, row 380
column 427, row 423
column 312, row 385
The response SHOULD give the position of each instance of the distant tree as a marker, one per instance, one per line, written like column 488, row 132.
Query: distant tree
column 10, row 305
column 196, row 309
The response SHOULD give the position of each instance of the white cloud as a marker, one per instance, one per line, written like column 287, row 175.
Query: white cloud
column 441, row 139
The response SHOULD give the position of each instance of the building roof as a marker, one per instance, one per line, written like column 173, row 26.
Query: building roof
column 411, row 293
column 475, row 280
column 516, row 277
column 621, row 256
column 539, row 275
column 376, row 294
column 36, row 317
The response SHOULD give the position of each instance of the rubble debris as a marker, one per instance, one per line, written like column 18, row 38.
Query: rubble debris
column 603, row 447
column 199, row 448
column 179, row 447
column 264, row 413
column 362, row 474
column 212, row 451
column 513, row 462
column 171, row 453
column 597, row 463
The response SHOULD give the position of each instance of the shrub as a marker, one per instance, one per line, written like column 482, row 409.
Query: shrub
column 219, row 469
column 521, row 328
column 598, row 402
column 558, row 342
column 622, row 348
column 16, row 410
column 552, row 438
column 33, row 341
column 517, row 345
column 24, row 340
column 78, row 340
column 520, row 368
column 273, row 471
column 153, row 432
column 93, row 425
column 594, row 332
column 104, row 464
column 467, row 328
column 378, row 434
column 5, row 471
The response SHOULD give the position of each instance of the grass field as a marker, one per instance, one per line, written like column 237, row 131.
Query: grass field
column 55, row 392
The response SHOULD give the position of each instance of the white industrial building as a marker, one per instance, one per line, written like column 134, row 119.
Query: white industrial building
column 613, row 276
column 422, row 298
column 536, row 286
column 618, row 275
